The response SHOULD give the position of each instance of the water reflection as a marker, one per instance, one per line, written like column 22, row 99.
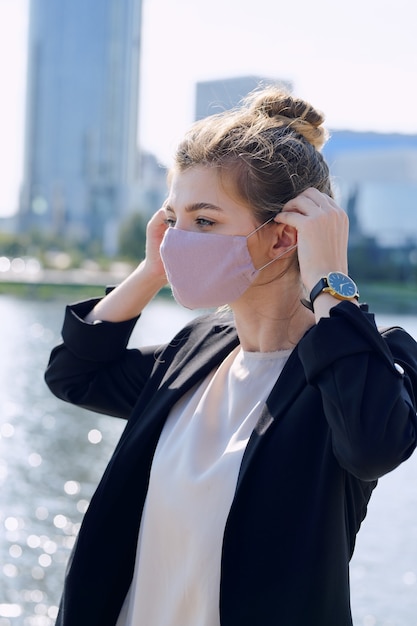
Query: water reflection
column 52, row 455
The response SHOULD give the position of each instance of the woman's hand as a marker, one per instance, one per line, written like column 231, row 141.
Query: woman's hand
column 137, row 290
column 322, row 234
column 155, row 231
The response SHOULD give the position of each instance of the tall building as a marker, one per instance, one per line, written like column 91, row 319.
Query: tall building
column 214, row 96
column 81, row 120
column 375, row 177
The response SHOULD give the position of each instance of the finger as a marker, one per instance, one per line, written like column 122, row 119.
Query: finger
column 161, row 214
column 321, row 199
column 314, row 195
column 311, row 202
column 291, row 218
column 301, row 204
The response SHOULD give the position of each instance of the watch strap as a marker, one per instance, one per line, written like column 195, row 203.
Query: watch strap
column 318, row 288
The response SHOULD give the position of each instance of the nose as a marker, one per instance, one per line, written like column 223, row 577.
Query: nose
column 183, row 224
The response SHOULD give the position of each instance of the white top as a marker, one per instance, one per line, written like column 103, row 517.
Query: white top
column 193, row 479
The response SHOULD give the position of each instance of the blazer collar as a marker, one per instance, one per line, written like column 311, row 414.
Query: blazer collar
column 209, row 347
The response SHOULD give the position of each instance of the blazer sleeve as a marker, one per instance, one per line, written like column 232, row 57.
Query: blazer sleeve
column 368, row 383
column 93, row 368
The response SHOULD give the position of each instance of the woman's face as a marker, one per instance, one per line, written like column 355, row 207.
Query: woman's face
column 198, row 201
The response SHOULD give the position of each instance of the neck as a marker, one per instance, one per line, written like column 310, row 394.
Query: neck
column 272, row 321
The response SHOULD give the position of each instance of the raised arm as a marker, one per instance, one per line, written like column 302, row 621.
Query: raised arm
column 130, row 298
column 93, row 367
column 368, row 383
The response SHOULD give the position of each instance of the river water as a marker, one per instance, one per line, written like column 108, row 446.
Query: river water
column 52, row 455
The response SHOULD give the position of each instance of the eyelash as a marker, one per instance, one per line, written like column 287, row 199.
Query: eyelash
column 200, row 221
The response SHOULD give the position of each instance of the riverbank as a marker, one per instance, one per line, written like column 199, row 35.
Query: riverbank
column 390, row 298
column 69, row 285
column 77, row 284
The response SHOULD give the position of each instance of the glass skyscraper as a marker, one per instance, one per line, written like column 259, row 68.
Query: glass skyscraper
column 82, row 112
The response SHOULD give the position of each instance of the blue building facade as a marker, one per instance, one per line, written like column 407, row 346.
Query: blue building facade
column 375, row 178
column 215, row 96
column 82, row 112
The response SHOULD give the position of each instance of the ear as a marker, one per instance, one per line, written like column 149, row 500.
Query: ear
column 285, row 237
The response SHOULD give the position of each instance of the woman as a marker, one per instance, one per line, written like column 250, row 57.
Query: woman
column 256, row 436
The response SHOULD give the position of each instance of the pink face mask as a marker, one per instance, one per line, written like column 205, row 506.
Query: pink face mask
column 207, row 270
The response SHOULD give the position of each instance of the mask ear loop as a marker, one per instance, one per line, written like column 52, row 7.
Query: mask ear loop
column 278, row 257
column 261, row 226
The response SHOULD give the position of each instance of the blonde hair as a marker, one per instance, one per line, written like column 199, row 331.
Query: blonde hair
column 268, row 147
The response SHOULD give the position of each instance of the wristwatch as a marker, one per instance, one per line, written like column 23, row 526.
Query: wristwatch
column 337, row 284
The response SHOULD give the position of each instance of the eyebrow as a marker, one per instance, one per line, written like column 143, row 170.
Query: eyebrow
column 196, row 206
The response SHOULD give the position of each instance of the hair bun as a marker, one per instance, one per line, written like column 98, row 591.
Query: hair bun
column 286, row 110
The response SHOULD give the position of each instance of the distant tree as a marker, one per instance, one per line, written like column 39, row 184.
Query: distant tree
column 12, row 245
column 132, row 237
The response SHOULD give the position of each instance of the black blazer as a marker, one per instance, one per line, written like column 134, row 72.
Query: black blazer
column 342, row 413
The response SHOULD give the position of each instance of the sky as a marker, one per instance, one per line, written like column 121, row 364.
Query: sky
column 356, row 60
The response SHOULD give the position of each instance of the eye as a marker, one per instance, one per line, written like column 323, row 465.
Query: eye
column 170, row 222
column 204, row 222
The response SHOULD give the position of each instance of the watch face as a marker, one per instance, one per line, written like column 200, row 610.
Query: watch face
column 342, row 284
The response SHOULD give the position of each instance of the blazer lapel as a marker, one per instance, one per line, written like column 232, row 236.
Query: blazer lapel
column 288, row 386
column 188, row 363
